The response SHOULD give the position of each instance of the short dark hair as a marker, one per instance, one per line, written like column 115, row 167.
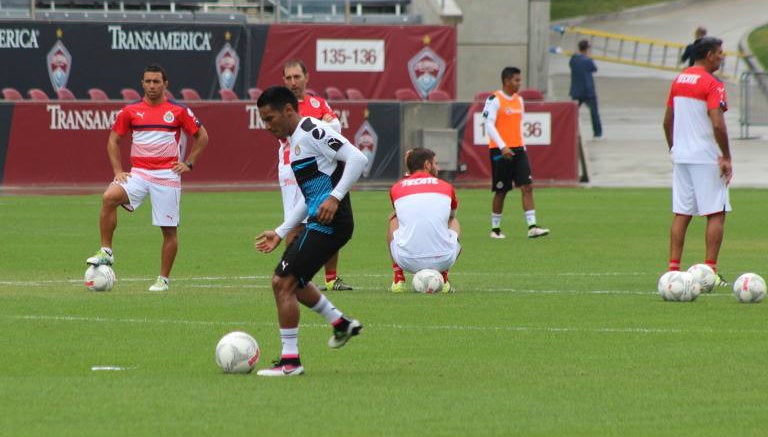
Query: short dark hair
column 295, row 63
column 705, row 45
column 417, row 158
column 583, row 45
column 277, row 97
column 155, row 68
column 508, row 72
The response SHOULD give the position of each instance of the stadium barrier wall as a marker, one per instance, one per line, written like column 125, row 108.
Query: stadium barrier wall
column 211, row 57
column 64, row 143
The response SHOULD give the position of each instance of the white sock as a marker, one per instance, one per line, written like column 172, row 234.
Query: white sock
column 495, row 220
column 107, row 249
column 165, row 279
column 530, row 217
column 325, row 308
column 290, row 339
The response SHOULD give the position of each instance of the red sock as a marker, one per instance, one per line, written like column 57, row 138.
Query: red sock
column 330, row 275
column 674, row 265
column 711, row 263
column 445, row 275
column 399, row 275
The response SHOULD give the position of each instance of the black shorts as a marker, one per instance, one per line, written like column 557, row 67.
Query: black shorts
column 508, row 171
column 308, row 252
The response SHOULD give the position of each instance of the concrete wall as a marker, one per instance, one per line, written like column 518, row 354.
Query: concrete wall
column 493, row 34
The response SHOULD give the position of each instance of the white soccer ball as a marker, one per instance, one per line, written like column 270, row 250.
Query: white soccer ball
column 428, row 281
column 678, row 286
column 705, row 276
column 237, row 352
column 100, row 278
column 749, row 288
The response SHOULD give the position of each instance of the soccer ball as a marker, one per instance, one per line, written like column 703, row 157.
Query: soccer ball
column 749, row 288
column 428, row 281
column 678, row 286
column 100, row 278
column 237, row 352
column 704, row 275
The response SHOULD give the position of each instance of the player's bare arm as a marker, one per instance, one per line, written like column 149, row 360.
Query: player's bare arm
column 669, row 120
column 113, row 150
column 267, row 241
column 721, row 136
column 199, row 141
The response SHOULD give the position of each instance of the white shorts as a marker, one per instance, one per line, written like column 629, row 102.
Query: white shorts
column 698, row 189
column 165, row 199
column 412, row 264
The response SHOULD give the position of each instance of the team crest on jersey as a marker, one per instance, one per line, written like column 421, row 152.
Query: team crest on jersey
column 367, row 140
column 168, row 117
column 426, row 70
column 297, row 150
column 227, row 67
column 314, row 102
column 59, row 63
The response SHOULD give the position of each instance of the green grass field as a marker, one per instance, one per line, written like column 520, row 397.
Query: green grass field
column 561, row 336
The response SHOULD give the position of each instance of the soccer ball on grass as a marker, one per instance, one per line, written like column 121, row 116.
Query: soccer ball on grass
column 704, row 275
column 100, row 278
column 749, row 288
column 678, row 286
column 428, row 281
column 237, row 352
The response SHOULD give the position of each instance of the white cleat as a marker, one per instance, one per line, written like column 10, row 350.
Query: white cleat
column 536, row 232
column 281, row 368
column 102, row 257
column 342, row 335
column 497, row 235
column 160, row 285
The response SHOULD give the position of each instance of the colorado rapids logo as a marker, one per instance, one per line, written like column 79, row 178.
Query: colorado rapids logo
column 227, row 66
column 426, row 70
column 367, row 141
column 59, row 63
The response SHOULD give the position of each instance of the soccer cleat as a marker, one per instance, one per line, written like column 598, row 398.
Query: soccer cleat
column 160, row 285
column 720, row 281
column 497, row 234
column 344, row 331
column 337, row 284
column 283, row 367
column 102, row 257
column 447, row 288
column 535, row 232
column 397, row 287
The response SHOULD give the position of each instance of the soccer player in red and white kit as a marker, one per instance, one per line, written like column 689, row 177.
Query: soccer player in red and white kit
column 423, row 231
column 694, row 125
column 295, row 77
column 156, row 167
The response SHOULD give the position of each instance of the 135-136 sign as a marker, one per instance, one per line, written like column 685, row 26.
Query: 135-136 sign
column 537, row 129
column 349, row 55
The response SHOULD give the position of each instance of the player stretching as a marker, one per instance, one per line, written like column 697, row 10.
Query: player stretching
column 694, row 126
column 423, row 231
column 509, row 161
column 295, row 77
column 316, row 153
column 156, row 167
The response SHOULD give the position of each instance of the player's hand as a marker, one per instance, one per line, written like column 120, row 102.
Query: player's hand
column 180, row 167
column 328, row 118
column 327, row 210
column 726, row 169
column 121, row 177
column 267, row 241
column 507, row 153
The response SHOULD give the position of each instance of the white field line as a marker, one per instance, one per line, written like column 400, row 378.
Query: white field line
column 33, row 283
column 467, row 328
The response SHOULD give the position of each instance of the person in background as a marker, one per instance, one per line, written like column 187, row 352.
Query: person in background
column 688, row 52
column 583, row 84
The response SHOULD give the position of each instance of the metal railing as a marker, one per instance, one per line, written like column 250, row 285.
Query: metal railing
column 641, row 52
column 753, row 105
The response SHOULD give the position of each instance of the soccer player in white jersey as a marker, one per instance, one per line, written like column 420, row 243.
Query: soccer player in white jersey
column 295, row 78
column 694, row 126
column 423, row 231
column 316, row 154
column 156, row 167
